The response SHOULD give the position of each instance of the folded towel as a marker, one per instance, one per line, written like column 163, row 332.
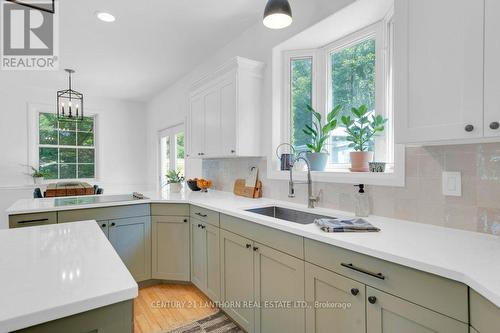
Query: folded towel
column 345, row 225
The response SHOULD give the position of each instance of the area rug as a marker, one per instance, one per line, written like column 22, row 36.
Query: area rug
column 216, row 323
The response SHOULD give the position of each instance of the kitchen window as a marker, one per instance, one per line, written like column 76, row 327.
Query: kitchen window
column 172, row 152
column 66, row 148
column 352, row 71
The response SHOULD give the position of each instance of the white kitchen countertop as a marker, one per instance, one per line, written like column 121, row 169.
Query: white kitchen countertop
column 467, row 257
column 54, row 271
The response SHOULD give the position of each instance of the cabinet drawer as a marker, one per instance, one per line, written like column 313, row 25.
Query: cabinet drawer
column 107, row 213
column 484, row 315
column 279, row 240
column 205, row 215
column 170, row 209
column 31, row 220
column 431, row 291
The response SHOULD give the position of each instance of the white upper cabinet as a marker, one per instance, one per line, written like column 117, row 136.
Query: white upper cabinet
column 224, row 115
column 492, row 70
column 439, row 49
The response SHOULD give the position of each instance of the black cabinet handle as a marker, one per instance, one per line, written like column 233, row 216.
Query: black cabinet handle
column 249, row 246
column 354, row 291
column 32, row 221
column 233, row 151
column 364, row 271
column 199, row 225
column 469, row 128
column 495, row 125
column 202, row 215
column 255, row 248
column 103, row 225
column 372, row 299
column 203, row 226
column 185, row 220
column 113, row 224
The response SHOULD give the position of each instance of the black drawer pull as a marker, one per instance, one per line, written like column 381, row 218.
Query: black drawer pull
column 33, row 221
column 354, row 291
column 202, row 215
column 372, row 299
column 364, row 271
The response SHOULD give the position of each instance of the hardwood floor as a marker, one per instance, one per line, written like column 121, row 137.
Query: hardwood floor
column 164, row 307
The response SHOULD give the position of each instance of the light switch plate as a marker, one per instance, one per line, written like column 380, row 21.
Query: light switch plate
column 452, row 184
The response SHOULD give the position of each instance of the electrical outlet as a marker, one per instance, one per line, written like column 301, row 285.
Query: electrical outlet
column 452, row 184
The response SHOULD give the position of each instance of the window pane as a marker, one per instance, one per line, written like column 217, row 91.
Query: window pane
column 165, row 158
column 301, row 96
column 67, row 171
column 47, row 156
column 67, row 138
column 50, row 170
column 67, row 125
column 47, row 121
column 67, row 155
column 179, row 161
column 85, row 155
column 48, row 137
column 353, row 84
column 86, row 125
column 86, row 171
column 85, row 139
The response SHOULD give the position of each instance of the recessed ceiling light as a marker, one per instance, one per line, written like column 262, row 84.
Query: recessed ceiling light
column 105, row 17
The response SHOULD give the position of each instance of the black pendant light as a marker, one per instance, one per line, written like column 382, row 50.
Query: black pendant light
column 278, row 14
column 69, row 102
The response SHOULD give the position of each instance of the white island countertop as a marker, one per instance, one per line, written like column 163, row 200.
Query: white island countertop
column 54, row 271
column 464, row 256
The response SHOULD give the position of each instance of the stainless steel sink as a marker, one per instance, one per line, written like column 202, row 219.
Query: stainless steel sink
column 286, row 214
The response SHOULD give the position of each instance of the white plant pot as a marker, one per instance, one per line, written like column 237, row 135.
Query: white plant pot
column 175, row 187
column 38, row 180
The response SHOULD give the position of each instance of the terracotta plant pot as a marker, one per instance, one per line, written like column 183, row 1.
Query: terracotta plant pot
column 360, row 160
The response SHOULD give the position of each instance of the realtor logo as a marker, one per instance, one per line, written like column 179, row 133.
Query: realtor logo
column 29, row 39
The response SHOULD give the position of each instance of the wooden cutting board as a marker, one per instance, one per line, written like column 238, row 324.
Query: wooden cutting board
column 242, row 190
column 69, row 189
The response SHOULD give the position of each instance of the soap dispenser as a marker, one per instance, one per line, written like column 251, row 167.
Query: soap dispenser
column 362, row 202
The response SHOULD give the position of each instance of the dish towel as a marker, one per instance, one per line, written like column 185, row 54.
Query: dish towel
column 345, row 225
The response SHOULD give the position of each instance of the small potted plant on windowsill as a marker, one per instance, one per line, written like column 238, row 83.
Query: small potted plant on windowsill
column 37, row 175
column 361, row 130
column 174, row 180
column 319, row 134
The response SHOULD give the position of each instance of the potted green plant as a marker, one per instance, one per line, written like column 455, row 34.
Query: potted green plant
column 174, row 180
column 319, row 133
column 361, row 130
column 37, row 175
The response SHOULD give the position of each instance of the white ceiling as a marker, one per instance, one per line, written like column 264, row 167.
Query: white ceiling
column 151, row 44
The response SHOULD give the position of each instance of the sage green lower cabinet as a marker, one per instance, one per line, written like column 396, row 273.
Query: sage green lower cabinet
column 472, row 330
column 237, row 278
column 31, row 220
column 389, row 314
column 279, row 289
column 115, row 318
column 104, row 225
column 131, row 238
column 170, row 248
column 484, row 315
column 205, row 256
column 335, row 303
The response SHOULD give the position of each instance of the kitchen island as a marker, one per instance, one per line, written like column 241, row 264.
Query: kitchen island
column 63, row 275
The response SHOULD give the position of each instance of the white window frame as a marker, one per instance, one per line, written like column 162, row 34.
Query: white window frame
column 34, row 111
column 382, row 31
column 171, row 132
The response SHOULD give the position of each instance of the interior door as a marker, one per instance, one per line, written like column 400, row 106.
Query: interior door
column 279, row 278
column 389, row 314
column 325, row 287
column 492, row 69
column 439, row 70
column 237, row 277
column 198, row 255
column 131, row 239
column 212, row 134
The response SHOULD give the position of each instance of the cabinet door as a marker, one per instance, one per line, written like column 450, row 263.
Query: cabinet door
column 389, row 314
column 104, row 224
column 212, row 122
column 212, row 262
column 228, row 117
column 439, row 70
column 328, row 295
column 473, row 330
column 198, row 255
column 237, row 277
column 131, row 239
column 170, row 248
column 279, row 278
column 197, row 125
column 492, row 69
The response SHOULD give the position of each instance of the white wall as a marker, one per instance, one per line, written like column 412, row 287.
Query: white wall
column 170, row 107
column 121, row 142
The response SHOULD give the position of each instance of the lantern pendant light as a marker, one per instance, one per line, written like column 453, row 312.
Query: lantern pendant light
column 278, row 14
column 69, row 102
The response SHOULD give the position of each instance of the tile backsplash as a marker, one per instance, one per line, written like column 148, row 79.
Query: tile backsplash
column 421, row 200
